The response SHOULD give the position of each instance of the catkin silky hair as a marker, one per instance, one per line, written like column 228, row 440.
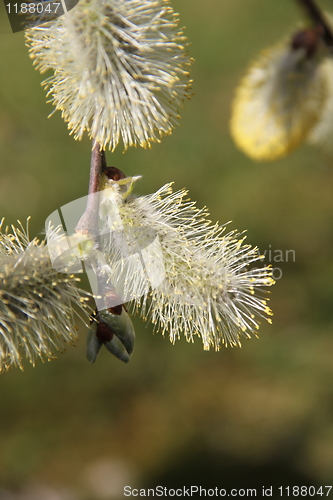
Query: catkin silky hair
column 120, row 69
column 213, row 284
column 37, row 303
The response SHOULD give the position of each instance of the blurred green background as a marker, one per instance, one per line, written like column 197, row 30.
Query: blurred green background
column 176, row 415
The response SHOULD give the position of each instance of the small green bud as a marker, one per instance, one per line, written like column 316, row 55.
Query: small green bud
column 121, row 325
column 113, row 328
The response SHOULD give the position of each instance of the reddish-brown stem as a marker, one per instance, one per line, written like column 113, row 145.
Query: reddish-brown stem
column 88, row 223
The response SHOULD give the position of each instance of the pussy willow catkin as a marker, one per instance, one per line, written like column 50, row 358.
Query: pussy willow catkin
column 120, row 69
column 207, row 282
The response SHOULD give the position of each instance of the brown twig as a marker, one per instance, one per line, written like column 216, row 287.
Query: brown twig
column 312, row 10
column 88, row 224
column 89, row 221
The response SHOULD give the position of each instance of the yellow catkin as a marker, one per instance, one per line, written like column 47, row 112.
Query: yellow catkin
column 277, row 103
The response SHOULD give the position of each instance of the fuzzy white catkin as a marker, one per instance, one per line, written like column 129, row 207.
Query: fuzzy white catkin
column 36, row 302
column 120, row 69
column 212, row 282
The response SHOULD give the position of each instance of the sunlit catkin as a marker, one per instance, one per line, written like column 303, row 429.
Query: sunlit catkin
column 280, row 98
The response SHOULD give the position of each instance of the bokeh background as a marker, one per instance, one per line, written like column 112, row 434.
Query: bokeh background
column 176, row 415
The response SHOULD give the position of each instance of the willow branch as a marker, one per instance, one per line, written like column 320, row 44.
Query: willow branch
column 88, row 224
